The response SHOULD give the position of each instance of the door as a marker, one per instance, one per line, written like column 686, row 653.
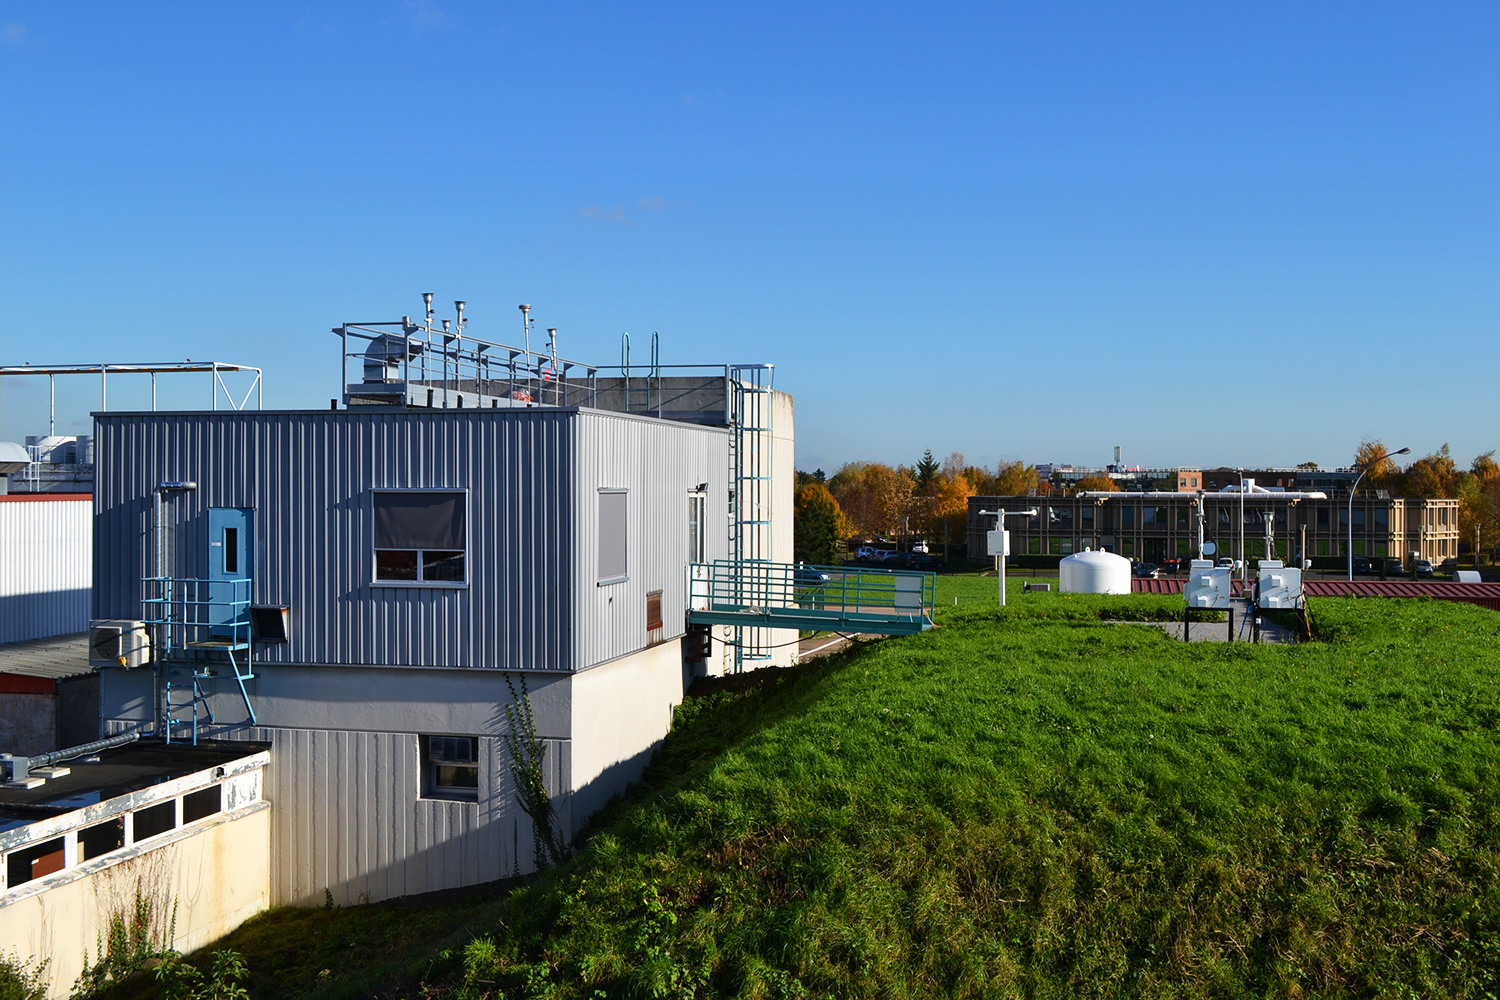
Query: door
column 230, row 555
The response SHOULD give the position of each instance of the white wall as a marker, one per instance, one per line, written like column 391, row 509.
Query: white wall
column 621, row 713
column 46, row 567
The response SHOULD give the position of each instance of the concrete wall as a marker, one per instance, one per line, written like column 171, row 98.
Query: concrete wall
column 28, row 718
column 215, row 872
column 621, row 713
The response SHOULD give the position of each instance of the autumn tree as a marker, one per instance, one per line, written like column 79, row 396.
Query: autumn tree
column 1479, row 503
column 819, row 527
column 1097, row 484
column 1376, row 457
column 1432, row 477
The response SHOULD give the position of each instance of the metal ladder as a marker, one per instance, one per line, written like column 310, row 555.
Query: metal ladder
column 751, row 457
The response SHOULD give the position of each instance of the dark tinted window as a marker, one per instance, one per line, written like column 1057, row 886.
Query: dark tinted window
column 204, row 802
column 155, row 820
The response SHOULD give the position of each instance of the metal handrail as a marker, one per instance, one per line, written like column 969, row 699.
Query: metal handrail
column 726, row 585
column 182, row 605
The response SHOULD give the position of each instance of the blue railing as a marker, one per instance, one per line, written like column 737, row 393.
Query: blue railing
column 190, row 619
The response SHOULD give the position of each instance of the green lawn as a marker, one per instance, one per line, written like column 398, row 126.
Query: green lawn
column 1027, row 802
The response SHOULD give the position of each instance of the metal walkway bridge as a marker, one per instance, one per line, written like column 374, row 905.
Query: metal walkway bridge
column 813, row 598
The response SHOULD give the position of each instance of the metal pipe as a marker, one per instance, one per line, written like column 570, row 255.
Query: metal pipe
column 57, row 756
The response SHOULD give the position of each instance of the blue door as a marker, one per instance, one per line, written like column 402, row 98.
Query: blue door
column 230, row 558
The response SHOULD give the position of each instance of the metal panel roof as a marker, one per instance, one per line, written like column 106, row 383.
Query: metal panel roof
column 56, row 656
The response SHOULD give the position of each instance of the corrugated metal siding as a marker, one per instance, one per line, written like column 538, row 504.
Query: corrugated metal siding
column 1169, row 585
column 46, row 568
column 308, row 477
column 347, row 816
column 658, row 462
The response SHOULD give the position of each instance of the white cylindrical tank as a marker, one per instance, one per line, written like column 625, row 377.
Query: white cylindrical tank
column 1094, row 573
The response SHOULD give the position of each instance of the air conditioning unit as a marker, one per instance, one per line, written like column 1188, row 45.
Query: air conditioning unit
column 119, row 642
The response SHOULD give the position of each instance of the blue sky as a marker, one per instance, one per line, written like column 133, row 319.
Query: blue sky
column 1210, row 234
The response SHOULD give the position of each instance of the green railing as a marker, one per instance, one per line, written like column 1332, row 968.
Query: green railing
column 824, row 598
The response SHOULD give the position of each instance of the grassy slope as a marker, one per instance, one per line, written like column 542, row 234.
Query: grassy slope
column 1048, row 807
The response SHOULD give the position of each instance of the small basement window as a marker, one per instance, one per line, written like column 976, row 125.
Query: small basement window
column 420, row 537
column 34, row 862
column 451, row 766
column 203, row 802
column 153, row 821
column 101, row 838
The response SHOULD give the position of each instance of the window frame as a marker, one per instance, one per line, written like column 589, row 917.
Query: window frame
column 375, row 579
column 449, row 793
column 697, row 520
column 610, row 581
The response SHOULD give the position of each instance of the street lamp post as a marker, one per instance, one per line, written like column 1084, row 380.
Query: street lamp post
column 1000, row 516
column 1350, row 517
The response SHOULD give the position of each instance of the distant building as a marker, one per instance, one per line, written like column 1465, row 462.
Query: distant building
column 58, row 464
column 1154, row 529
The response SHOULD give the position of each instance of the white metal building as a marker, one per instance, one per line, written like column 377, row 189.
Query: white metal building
column 416, row 558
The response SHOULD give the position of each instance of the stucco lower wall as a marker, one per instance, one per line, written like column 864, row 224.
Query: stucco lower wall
column 621, row 713
column 216, row 875
column 28, row 722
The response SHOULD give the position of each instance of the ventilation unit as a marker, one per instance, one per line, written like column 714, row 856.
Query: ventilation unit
column 119, row 643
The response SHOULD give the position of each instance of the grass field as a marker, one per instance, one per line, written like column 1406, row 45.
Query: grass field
column 1027, row 802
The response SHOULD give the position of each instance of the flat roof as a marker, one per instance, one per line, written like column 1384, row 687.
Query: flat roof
column 55, row 657
column 112, row 773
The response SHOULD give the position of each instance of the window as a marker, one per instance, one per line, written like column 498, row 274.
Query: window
column 696, row 507
column 1127, row 547
column 1359, row 518
column 653, row 617
column 1148, row 515
column 34, row 862
column 1183, row 547
column 1060, row 519
column 1223, row 517
column 612, row 536
column 1381, row 549
column 451, row 766
column 155, row 820
column 1127, row 517
column 1195, row 482
column 203, row 802
column 1359, row 548
column 1322, row 548
column 1182, row 517
column 101, row 838
column 1181, row 481
column 1162, row 513
column 1061, row 546
column 420, row 537
column 1034, row 546
column 231, row 550
column 1086, row 516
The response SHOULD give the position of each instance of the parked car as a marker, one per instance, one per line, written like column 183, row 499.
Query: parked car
column 1424, row 569
column 1362, row 566
column 1227, row 563
column 919, row 546
column 1393, row 567
column 919, row 560
column 866, row 553
column 1146, row 570
column 1449, row 566
column 806, row 576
